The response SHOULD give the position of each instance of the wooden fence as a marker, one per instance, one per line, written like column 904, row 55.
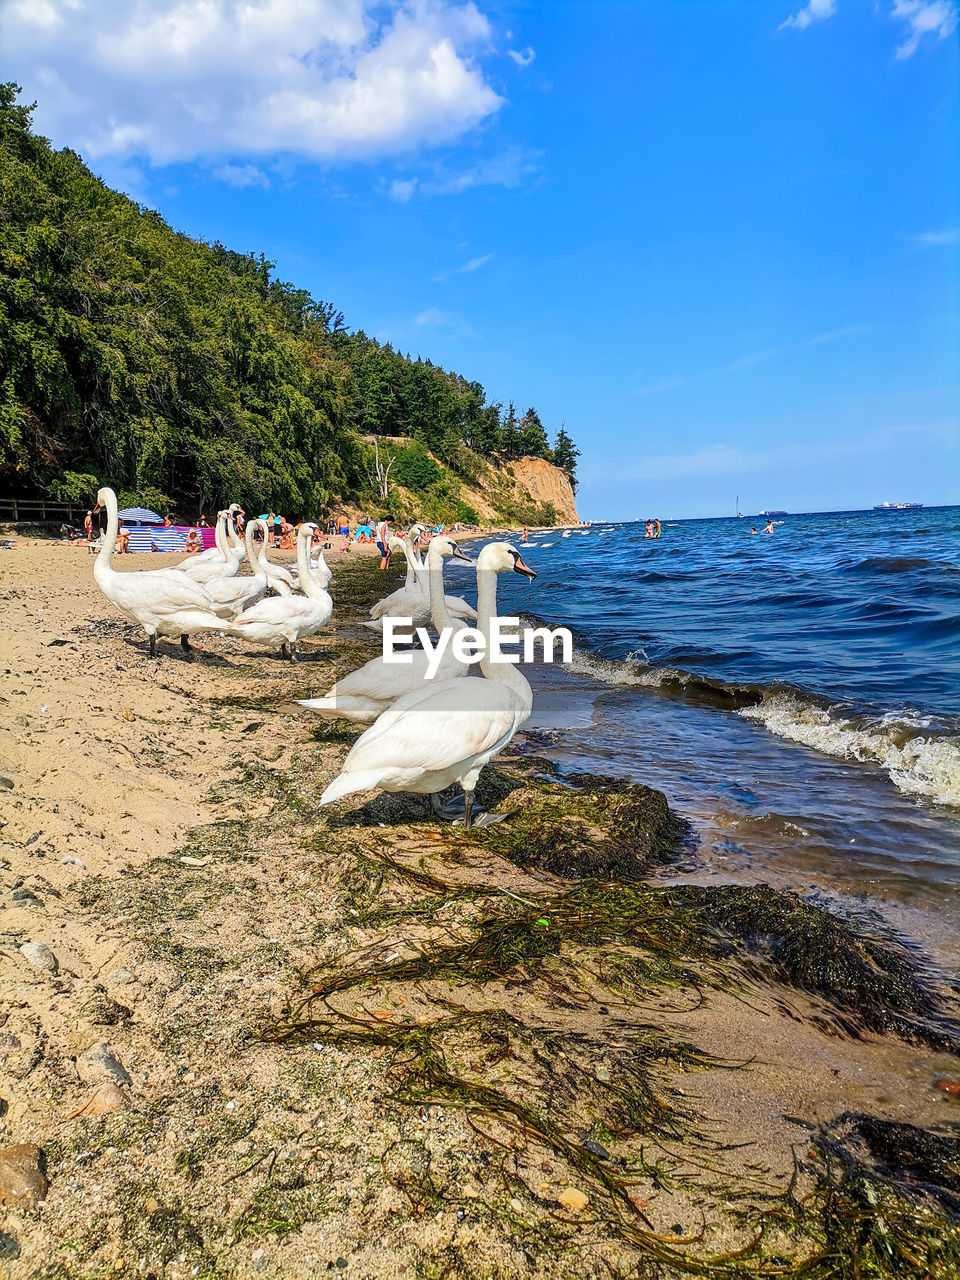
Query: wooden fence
column 27, row 510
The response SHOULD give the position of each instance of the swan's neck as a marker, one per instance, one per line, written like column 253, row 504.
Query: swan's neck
column 499, row 672
column 232, row 541
column 412, row 579
column 439, row 613
column 110, row 537
column 253, row 555
column 219, row 536
column 308, row 584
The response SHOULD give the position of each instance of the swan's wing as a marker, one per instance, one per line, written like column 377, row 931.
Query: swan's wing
column 432, row 729
column 278, row 610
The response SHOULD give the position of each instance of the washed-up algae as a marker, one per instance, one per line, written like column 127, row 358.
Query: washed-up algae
column 664, row 938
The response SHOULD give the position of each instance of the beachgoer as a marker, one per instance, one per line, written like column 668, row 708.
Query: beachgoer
column 343, row 526
column 88, row 526
column 524, row 537
column 167, row 522
column 202, row 522
column 194, row 542
column 753, row 531
column 649, row 529
column 383, row 533
column 123, row 538
column 657, row 530
column 331, row 527
column 768, row 527
column 278, row 523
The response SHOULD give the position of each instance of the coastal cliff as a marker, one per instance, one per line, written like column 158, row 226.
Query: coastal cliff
column 548, row 484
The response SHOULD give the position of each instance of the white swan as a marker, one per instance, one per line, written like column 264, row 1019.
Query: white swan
column 321, row 571
column 363, row 694
column 414, row 601
column 282, row 621
column 225, row 564
column 240, row 593
column 163, row 601
column 225, row 546
column 445, row 733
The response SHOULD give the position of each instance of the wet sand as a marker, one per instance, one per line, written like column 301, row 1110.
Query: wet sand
column 160, row 824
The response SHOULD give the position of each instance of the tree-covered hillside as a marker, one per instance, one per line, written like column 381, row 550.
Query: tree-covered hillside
column 184, row 373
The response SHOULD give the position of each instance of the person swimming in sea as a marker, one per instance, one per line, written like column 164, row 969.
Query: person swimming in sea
column 768, row 527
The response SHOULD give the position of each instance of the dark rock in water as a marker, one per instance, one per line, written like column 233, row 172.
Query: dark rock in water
column 23, row 1182
column 9, row 1249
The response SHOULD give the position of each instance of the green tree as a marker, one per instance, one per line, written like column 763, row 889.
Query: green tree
column 565, row 455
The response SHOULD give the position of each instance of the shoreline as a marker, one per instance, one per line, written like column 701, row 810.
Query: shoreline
column 211, row 887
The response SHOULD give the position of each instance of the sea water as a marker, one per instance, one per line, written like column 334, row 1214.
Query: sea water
column 795, row 694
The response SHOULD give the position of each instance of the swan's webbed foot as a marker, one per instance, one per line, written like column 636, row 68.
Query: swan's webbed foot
column 461, row 809
column 294, row 656
column 153, row 646
column 283, row 651
column 185, row 645
column 451, row 810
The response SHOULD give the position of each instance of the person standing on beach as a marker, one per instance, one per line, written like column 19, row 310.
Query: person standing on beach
column 383, row 533
column 88, row 526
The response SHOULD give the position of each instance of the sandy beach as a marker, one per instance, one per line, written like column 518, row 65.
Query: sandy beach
column 506, row 1069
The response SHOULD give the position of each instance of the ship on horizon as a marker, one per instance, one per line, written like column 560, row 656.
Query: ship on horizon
column 898, row 506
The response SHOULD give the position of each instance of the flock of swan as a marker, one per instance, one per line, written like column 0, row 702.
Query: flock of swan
column 425, row 734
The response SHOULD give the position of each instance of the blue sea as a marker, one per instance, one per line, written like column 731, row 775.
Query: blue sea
column 796, row 695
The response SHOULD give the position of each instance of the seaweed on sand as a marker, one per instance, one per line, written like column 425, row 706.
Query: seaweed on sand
column 538, row 1088
column 884, row 1203
column 577, row 827
column 871, row 985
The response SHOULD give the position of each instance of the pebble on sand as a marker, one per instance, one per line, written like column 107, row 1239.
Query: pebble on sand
column 99, row 1065
column 104, row 1101
column 40, row 956
column 573, row 1199
column 23, row 1183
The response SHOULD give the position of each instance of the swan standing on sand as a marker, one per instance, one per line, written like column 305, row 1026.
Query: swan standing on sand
column 365, row 693
column 282, row 621
column 225, row 547
column 413, row 601
column 241, row 593
column 445, row 733
column 164, row 601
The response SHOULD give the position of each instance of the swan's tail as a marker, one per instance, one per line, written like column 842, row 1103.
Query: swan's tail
column 322, row 706
column 375, row 625
column 348, row 783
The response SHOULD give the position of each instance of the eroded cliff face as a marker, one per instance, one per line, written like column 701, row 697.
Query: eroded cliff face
column 547, row 483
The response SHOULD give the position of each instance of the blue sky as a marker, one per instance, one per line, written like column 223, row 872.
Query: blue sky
column 717, row 238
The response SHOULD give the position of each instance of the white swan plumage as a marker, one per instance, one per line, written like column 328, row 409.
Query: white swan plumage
column 365, row 693
column 163, row 601
column 283, row 620
column 445, row 732
column 241, row 593
column 413, row 601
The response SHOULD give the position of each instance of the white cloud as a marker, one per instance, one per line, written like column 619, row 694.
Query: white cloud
column 241, row 175
column 174, row 80
column 452, row 322
column 665, row 384
column 510, row 169
column 933, row 239
column 473, row 265
column 522, row 59
column 812, row 11
column 924, row 17
column 756, row 356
